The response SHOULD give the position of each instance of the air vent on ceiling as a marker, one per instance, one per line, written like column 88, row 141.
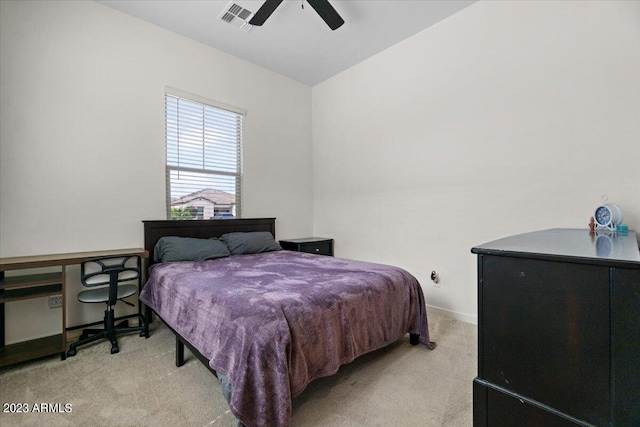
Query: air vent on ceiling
column 238, row 16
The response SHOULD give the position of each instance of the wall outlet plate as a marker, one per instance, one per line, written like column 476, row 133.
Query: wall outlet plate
column 55, row 301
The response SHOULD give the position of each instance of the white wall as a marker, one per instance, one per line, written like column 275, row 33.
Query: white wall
column 82, row 136
column 505, row 118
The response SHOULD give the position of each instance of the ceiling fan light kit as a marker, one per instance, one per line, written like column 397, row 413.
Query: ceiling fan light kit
column 322, row 8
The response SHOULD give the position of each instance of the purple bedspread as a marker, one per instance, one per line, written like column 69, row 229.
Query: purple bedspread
column 272, row 322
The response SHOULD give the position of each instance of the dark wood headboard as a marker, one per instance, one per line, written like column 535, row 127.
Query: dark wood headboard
column 154, row 230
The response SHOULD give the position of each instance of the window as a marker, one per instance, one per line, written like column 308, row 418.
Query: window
column 204, row 167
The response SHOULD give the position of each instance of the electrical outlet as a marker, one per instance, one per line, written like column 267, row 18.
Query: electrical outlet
column 55, row 301
column 435, row 279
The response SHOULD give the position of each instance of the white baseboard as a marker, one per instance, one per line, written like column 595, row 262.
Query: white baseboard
column 453, row 314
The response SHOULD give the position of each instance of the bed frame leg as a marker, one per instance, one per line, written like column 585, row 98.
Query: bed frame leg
column 179, row 352
column 414, row 339
column 148, row 314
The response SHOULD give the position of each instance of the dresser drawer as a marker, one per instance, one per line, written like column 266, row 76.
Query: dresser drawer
column 311, row 245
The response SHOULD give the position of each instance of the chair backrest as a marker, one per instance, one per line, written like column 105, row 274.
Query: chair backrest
column 110, row 271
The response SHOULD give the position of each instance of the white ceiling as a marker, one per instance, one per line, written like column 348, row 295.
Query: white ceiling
column 295, row 42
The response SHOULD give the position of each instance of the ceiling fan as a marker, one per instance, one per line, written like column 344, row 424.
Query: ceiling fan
column 322, row 7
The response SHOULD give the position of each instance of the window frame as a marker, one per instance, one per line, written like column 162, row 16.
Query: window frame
column 209, row 107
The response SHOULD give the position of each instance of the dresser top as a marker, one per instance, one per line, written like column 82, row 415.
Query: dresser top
column 615, row 249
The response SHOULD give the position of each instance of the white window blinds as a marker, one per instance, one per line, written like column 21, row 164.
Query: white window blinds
column 204, row 167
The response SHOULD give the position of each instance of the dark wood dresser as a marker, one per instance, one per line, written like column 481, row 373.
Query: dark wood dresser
column 312, row 245
column 558, row 330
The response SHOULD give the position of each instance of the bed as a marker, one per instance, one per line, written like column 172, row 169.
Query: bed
column 270, row 322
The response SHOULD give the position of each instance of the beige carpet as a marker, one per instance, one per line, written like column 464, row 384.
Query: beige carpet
column 400, row 385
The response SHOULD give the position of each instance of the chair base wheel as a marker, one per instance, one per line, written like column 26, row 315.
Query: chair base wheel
column 71, row 352
column 114, row 350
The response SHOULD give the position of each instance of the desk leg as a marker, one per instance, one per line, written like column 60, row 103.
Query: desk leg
column 1, row 315
column 63, row 354
column 1, row 325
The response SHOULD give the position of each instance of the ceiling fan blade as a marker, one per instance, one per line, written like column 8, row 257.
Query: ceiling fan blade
column 327, row 13
column 264, row 12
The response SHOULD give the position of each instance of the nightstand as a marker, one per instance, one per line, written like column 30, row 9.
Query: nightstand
column 312, row 245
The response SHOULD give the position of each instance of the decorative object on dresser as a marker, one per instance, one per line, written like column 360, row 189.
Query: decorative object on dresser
column 312, row 245
column 608, row 215
column 558, row 324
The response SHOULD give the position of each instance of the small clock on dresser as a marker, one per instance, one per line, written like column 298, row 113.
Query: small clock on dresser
column 608, row 216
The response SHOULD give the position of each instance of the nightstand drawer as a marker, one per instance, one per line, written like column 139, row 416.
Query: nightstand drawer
column 323, row 248
column 311, row 245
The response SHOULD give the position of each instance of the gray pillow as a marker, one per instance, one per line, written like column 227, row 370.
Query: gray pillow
column 250, row 243
column 174, row 248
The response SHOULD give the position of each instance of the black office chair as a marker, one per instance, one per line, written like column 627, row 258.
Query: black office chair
column 110, row 271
